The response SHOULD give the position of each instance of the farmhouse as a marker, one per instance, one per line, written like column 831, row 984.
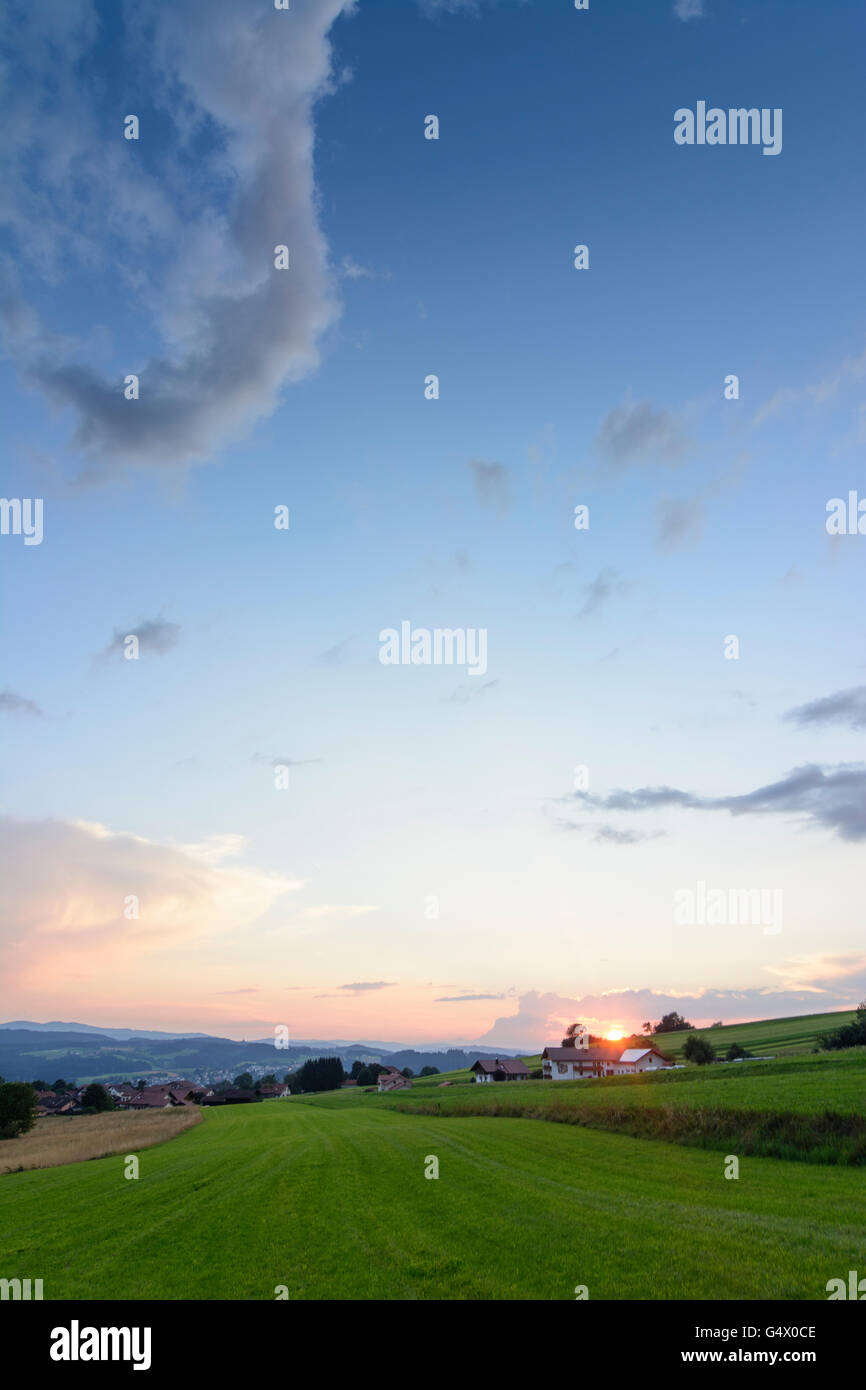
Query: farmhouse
column 576, row 1063
column 392, row 1080
column 500, row 1069
column 151, row 1098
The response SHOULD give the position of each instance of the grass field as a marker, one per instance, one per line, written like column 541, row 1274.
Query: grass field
column 328, row 1197
column 807, row 1084
column 779, row 1036
column 811, row 1108
column 60, row 1139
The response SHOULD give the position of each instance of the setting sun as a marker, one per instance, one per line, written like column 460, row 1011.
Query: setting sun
column 614, row 1035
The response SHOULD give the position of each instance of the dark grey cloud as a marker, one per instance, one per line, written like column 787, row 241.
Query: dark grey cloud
column 491, row 484
column 833, row 798
column 155, row 636
column 846, row 707
column 637, row 432
column 12, row 703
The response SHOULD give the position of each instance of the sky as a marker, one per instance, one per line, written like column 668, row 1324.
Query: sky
column 255, row 822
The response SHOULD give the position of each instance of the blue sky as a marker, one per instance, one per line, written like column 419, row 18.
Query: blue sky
column 311, row 906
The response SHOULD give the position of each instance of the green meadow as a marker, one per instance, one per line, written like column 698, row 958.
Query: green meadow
column 809, row 1085
column 777, row 1036
column 328, row 1197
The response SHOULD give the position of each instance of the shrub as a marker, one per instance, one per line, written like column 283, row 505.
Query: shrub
column 697, row 1049
column 17, row 1109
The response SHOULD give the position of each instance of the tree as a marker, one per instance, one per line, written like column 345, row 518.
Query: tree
column 17, row 1108
column 672, row 1023
column 60, row 1085
column 851, row 1035
column 357, row 1067
column 96, row 1098
column 321, row 1074
column 269, row 1080
column 244, row 1082
column 39, row 1085
column 408, row 1073
column 718, row 1024
column 140, row 1084
column 697, row 1049
column 735, row 1052
column 429, row 1071
column 647, row 1027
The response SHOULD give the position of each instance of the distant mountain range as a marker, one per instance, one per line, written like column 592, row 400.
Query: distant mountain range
column 120, row 1033
column 80, row 1052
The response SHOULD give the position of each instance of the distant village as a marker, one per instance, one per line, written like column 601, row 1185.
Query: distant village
column 578, row 1057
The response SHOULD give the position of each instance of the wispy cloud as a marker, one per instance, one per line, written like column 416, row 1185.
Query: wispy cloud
column 364, row 986
column 277, row 761
column 639, row 433
column 463, row 694
column 689, row 9
column 12, row 703
column 491, row 484
column 679, row 522
column 605, row 586
column 350, row 269
column 831, row 798
column 846, row 708
column 819, row 392
column 315, row 914
column 610, row 834
column 333, row 656
column 155, row 636
column 466, row 998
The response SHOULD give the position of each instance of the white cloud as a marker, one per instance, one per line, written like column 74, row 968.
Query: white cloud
column 196, row 245
column 689, row 9
column 818, row 392
column 66, row 885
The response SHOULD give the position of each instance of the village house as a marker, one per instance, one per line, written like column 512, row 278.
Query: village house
column 500, row 1069
column 575, row 1060
column 392, row 1080
column 48, row 1103
column 151, row 1098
